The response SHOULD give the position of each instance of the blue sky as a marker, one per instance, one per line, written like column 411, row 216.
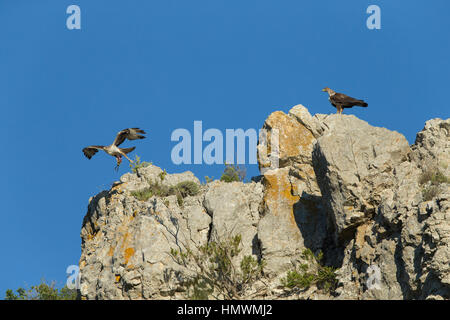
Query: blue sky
column 162, row 64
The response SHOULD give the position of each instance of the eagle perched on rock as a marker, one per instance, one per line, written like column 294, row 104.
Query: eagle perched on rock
column 341, row 101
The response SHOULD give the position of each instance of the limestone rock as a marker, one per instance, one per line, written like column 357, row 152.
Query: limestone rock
column 234, row 208
column 340, row 186
column 432, row 146
column 354, row 176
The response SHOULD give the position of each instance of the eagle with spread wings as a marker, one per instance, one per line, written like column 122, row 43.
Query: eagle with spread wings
column 341, row 101
column 113, row 149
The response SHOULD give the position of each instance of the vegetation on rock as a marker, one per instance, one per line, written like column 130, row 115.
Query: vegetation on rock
column 233, row 173
column 137, row 164
column 305, row 275
column 213, row 273
column 43, row 291
column 181, row 190
column 431, row 179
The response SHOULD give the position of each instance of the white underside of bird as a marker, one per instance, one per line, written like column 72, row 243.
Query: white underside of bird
column 115, row 151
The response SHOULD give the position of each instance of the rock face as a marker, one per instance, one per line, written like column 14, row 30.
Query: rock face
column 126, row 243
column 357, row 193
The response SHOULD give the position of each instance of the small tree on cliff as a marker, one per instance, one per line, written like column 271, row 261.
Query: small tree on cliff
column 43, row 291
column 233, row 172
column 212, row 272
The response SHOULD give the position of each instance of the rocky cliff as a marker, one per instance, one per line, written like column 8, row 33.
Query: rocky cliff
column 377, row 208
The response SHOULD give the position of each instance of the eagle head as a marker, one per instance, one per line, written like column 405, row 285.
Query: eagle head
column 326, row 89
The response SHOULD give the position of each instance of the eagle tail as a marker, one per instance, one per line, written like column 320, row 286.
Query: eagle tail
column 361, row 103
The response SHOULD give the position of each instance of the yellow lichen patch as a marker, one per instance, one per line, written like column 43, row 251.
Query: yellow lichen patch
column 129, row 252
column 363, row 251
column 265, row 165
column 125, row 240
column 360, row 234
column 92, row 236
column 348, row 209
column 119, row 187
column 278, row 187
column 278, row 196
column 116, row 190
column 122, row 241
column 111, row 251
column 294, row 138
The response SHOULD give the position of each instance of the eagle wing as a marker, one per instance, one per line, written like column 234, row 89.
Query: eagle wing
column 130, row 134
column 91, row 150
column 346, row 101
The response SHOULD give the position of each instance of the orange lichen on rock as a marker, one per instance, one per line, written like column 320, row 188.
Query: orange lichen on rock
column 116, row 190
column 294, row 138
column 122, row 240
column 111, row 251
column 360, row 234
column 278, row 195
column 129, row 252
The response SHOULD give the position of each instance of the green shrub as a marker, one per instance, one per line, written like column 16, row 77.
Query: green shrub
column 187, row 188
column 181, row 190
column 142, row 195
column 428, row 193
column 43, row 291
column 162, row 175
column 439, row 178
column 213, row 273
column 154, row 189
column 294, row 279
column 430, row 179
column 232, row 173
column 137, row 164
column 434, row 176
column 311, row 273
column 208, row 179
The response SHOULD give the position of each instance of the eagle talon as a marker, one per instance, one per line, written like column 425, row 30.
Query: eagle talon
column 119, row 161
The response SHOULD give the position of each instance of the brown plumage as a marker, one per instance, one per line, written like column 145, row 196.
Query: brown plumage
column 130, row 134
column 90, row 151
column 113, row 149
column 341, row 101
